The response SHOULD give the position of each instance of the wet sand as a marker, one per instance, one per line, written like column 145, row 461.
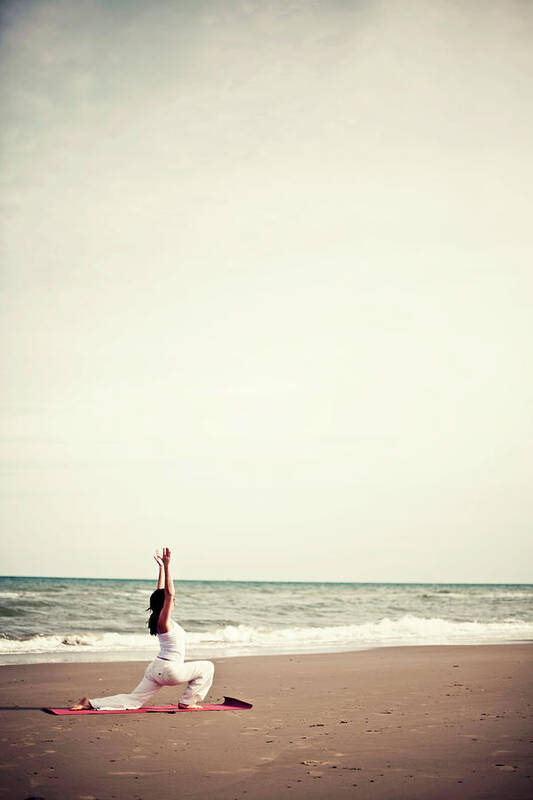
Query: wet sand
column 413, row 722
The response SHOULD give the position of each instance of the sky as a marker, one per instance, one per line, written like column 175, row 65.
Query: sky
column 267, row 289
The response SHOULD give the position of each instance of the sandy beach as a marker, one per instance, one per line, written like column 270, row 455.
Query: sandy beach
column 412, row 722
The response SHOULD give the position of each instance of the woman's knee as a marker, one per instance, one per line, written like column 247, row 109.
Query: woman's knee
column 206, row 670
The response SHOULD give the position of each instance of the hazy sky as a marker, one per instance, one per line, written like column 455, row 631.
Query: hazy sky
column 267, row 287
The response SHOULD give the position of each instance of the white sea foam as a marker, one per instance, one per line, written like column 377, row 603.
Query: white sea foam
column 406, row 630
column 232, row 640
column 88, row 642
column 444, row 595
column 25, row 594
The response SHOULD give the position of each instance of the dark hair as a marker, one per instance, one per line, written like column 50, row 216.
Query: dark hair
column 157, row 601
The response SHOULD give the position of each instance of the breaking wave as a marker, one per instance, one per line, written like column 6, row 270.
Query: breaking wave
column 234, row 640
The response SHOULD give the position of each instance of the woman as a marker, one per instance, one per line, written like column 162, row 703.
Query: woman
column 168, row 668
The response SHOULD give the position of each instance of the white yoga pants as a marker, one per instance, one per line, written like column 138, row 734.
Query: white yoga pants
column 198, row 675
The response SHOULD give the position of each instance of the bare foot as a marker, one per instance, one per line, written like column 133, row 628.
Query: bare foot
column 192, row 707
column 83, row 704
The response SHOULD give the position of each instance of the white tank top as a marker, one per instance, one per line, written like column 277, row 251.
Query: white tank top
column 172, row 644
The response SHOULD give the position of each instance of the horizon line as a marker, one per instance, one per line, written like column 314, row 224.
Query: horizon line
column 281, row 581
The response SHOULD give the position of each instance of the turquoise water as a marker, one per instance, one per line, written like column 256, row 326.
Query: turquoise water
column 60, row 619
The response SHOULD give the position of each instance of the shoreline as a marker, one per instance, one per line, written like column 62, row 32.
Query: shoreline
column 117, row 657
column 430, row 722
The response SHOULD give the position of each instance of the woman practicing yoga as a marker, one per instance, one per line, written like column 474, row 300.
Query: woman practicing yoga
column 168, row 668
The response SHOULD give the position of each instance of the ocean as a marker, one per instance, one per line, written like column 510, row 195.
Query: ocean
column 74, row 619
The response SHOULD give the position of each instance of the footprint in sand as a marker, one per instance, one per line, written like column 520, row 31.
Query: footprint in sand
column 140, row 774
column 243, row 770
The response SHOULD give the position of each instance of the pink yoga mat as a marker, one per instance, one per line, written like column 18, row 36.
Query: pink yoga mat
column 229, row 704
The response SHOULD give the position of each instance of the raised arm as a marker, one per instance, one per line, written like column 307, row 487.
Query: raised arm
column 163, row 625
column 161, row 579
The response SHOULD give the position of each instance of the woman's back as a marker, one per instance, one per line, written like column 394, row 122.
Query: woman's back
column 172, row 644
